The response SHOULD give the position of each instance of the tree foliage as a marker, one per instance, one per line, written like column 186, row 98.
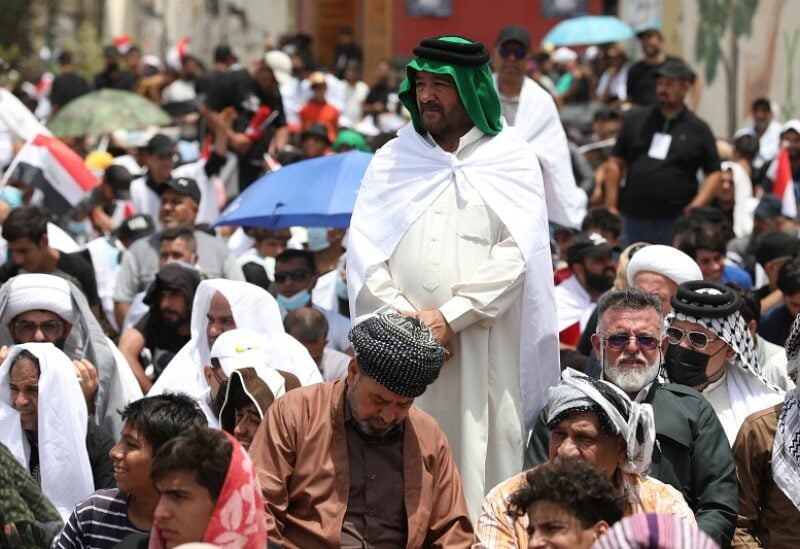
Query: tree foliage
column 717, row 17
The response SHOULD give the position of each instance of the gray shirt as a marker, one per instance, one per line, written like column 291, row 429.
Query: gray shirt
column 140, row 264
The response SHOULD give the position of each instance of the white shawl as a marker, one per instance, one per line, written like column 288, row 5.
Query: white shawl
column 253, row 308
column 538, row 123
column 402, row 181
column 117, row 384
column 66, row 474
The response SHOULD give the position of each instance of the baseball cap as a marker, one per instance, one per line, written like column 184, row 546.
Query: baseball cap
column 160, row 144
column 677, row 69
column 183, row 185
column 515, row 33
column 589, row 245
column 769, row 207
column 776, row 244
column 240, row 348
column 135, row 227
column 317, row 79
column 316, row 130
column 118, row 177
column 222, row 53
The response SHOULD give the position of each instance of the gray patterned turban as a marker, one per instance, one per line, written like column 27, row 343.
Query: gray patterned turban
column 398, row 352
column 577, row 392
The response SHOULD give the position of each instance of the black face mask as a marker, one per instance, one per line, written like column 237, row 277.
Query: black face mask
column 686, row 366
column 599, row 283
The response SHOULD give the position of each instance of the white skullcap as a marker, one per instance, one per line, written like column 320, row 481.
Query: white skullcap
column 241, row 348
column 793, row 124
column 563, row 55
column 281, row 65
column 34, row 292
column 664, row 260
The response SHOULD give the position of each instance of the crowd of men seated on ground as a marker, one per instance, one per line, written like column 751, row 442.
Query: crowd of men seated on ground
column 164, row 386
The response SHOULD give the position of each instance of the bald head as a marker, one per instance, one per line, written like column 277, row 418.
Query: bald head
column 309, row 327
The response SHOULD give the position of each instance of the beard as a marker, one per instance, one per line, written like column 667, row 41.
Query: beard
column 629, row 377
column 370, row 426
column 602, row 282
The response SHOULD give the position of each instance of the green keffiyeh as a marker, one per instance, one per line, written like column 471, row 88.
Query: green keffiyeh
column 467, row 63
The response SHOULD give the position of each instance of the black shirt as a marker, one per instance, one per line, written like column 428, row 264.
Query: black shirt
column 662, row 188
column 642, row 82
column 78, row 271
column 66, row 87
column 238, row 89
column 115, row 79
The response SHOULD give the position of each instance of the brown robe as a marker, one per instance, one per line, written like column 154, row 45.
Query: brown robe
column 300, row 453
column 767, row 518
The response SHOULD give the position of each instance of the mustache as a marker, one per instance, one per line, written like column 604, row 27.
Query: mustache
column 432, row 106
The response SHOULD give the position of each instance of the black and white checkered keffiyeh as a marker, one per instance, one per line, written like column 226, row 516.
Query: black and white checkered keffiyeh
column 577, row 392
column 716, row 308
column 398, row 352
column 786, row 447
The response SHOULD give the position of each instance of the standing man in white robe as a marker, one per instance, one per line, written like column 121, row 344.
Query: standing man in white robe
column 451, row 225
column 533, row 113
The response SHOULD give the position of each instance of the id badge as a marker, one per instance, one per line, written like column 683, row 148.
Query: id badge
column 659, row 146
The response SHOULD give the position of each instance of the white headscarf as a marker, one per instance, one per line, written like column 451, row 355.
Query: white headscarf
column 66, row 474
column 664, row 260
column 117, row 385
column 253, row 308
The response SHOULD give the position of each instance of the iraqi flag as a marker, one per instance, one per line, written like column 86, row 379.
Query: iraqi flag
column 47, row 163
column 783, row 185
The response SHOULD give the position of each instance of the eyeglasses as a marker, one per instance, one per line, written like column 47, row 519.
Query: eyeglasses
column 51, row 329
column 698, row 340
column 619, row 341
column 516, row 53
column 296, row 276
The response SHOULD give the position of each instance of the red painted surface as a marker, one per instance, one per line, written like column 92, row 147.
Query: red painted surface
column 476, row 19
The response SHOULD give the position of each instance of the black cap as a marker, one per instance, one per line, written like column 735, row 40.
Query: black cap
column 316, row 130
column 677, row 69
column 775, row 244
column 769, row 207
column 174, row 276
column 589, row 245
column 518, row 34
column 118, row 177
column 222, row 53
column 160, row 144
column 135, row 227
column 183, row 185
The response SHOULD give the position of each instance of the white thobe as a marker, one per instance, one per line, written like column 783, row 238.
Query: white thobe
column 736, row 395
column 535, row 117
column 467, row 265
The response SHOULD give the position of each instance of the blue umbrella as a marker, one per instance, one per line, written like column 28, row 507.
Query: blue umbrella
column 320, row 192
column 588, row 30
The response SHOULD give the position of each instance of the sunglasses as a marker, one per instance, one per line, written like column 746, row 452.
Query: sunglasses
column 619, row 341
column 698, row 340
column 295, row 276
column 516, row 53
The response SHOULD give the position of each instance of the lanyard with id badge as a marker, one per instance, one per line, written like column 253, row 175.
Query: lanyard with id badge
column 659, row 146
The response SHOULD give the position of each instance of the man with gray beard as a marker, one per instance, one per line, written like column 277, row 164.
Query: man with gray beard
column 691, row 452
